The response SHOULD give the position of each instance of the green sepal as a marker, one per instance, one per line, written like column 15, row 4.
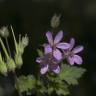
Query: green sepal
column 25, row 41
column 18, row 60
column 20, row 48
column 40, row 53
column 3, row 68
column 11, row 65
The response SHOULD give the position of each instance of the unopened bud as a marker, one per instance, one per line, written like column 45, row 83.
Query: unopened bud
column 55, row 21
column 4, row 32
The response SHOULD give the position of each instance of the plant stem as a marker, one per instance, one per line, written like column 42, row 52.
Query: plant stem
column 4, row 49
column 14, row 73
column 16, row 78
column 14, row 39
column 8, row 46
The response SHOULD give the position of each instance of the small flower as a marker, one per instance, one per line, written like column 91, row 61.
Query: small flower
column 55, row 45
column 71, row 53
column 48, row 62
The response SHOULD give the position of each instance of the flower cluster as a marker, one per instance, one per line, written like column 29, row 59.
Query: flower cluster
column 53, row 61
column 56, row 51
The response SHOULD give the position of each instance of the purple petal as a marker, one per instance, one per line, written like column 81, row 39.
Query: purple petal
column 70, row 60
column 78, row 49
column 44, row 69
column 58, row 37
column 63, row 45
column 49, row 37
column 72, row 43
column 57, row 54
column 38, row 60
column 78, row 59
column 47, row 49
column 55, row 68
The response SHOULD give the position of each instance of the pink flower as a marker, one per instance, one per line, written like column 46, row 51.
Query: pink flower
column 48, row 63
column 55, row 45
column 71, row 53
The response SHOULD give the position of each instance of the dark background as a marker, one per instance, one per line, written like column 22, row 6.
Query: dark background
column 78, row 20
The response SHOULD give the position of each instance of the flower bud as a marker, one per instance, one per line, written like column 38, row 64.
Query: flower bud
column 18, row 60
column 55, row 21
column 4, row 32
column 11, row 65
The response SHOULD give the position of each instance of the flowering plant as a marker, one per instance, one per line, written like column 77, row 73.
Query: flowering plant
column 57, row 70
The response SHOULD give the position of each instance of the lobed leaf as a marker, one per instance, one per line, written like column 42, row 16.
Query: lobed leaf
column 71, row 74
column 25, row 83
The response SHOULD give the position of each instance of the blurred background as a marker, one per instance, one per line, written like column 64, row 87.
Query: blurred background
column 78, row 20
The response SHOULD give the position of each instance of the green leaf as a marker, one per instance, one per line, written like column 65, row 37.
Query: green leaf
column 56, row 85
column 62, row 92
column 71, row 74
column 50, row 90
column 40, row 86
column 62, row 88
column 25, row 83
column 42, row 89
